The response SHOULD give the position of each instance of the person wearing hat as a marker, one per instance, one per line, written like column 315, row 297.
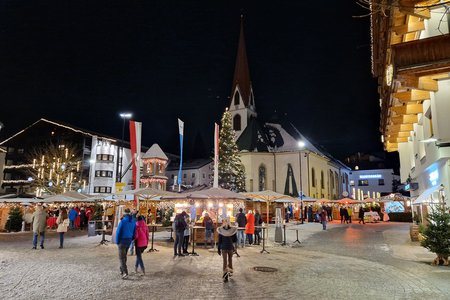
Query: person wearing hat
column 227, row 238
column 124, row 235
column 39, row 221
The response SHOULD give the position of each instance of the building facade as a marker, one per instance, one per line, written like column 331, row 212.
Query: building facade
column 411, row 58
column 372, row 183
column 196, row 172
column 276, row 156
column 99, row 158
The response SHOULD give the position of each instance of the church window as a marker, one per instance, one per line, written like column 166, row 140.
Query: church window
column 236, row 98
column 262, row 178
column 237, row 122
column 313, row 176
column 322, row 181
column 331, row 179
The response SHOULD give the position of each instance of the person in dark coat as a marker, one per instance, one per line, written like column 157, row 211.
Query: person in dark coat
column 258, row 222
column 179, row 225
column 342, row 214
column 83, row 219
column 241, row 220
column 361, row 215
column 310, row 214
column 227, row 238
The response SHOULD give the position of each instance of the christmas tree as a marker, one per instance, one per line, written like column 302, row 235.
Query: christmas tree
column 437, row 233
column 14, row 222
column 231, row 169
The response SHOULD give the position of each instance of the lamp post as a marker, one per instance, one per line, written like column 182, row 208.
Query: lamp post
column 125, row 116
column 301, row 145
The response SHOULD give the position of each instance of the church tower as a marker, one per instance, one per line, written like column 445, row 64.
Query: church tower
column 242, row 105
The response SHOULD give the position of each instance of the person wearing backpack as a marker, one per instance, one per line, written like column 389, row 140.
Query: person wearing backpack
column 179, row 225
column 141, row 242
column 209, row 225
column 227, row 238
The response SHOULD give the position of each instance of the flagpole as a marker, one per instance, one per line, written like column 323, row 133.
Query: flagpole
column 216, row 156
column 181, row 131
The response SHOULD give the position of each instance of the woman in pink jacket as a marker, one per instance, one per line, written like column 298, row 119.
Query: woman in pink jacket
column 141, row 242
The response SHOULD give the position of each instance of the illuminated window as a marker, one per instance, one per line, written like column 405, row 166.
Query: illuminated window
column 363, row 182
column 380, row 181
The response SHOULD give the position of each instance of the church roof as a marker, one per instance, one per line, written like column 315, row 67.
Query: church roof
column 155, row 152
column 241, row 77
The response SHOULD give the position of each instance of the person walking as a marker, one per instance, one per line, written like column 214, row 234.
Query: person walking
column 241, row 222
column 227, row 238
column 134, row 214
column 179, row 225
column 186, row 235
column 346, row 216
column 341, row 214
column 361, row 215
column 39, row 221
column 209, row 226
column 350, row 213
column 63, row 224
column 250, row 227
column 324, row 217
column 124, row 236
column 141, row 242
column 258, row 222
column 72, row 217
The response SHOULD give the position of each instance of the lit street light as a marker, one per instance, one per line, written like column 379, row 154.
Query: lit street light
column 125, row 116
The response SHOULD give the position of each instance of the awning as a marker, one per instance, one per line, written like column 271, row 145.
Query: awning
column 426, row 194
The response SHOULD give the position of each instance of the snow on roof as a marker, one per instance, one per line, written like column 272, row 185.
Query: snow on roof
column 155, row 152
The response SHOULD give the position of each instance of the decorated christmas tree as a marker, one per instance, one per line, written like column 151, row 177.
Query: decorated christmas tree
column 231, row 169
column 14, row 222
column 437, row 234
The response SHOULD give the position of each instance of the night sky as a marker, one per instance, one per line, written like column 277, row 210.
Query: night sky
column 82, row 62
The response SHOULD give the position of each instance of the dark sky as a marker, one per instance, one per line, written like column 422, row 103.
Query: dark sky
column 83, row 62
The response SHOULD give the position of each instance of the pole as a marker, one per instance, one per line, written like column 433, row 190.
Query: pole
column 301, row 188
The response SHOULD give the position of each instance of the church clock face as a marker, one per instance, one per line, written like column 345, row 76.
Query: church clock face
column 389, row 74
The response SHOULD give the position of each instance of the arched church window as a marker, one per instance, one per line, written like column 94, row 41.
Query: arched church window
column 237, row 122
column 313, row 176
column 262, row 178
column 236, row 98
column 322, row 181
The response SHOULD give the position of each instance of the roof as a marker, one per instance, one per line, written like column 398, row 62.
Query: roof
column 155, row 152
column 241, row 77
column 278, row 137
column 189, row 164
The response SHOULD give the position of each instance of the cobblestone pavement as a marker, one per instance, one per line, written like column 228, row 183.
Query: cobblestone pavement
column 344, row 262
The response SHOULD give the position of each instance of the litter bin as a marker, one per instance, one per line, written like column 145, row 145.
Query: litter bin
column 91, row 228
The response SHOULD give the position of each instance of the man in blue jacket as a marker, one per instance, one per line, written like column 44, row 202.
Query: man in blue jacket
column 72, row 216
column 124, row 236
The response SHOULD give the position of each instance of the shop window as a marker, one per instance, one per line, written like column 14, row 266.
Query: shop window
column 363, row 182
column 380, row 181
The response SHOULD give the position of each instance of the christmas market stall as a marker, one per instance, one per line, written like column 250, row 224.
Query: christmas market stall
column 272, row 201
column 218, row 203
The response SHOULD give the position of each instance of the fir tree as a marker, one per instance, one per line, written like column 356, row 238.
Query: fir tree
column 437, row 233
column 14, row 222
column 231, row 169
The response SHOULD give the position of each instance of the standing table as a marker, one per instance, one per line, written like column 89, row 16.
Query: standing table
column 193, row 253
column 153, row 228
column 296, row 228
column 263, row 238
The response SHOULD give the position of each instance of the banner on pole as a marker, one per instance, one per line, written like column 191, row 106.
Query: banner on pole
column 216, row 155
column 135, row 142
column 181, row 131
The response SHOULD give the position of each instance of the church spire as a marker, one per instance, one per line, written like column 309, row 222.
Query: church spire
column 241, row 80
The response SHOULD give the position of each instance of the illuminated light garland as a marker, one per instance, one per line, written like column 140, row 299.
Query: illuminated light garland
column 20, row 166
column 16, row 181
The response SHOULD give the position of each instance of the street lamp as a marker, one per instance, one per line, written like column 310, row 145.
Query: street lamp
column 301, row 145
column 125, row 116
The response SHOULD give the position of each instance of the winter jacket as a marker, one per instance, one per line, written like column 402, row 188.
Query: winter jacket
column 227, row 237
column 72, row 214
column 323, row 215
column 187, row 230
column 62, row 224
column 208, row 223
column 125, row 231
column 179, row 224
column 241, row 219
column 250, row 226
column 258, row 222
column 141, row 234
column 39, row 221
column 361, row 213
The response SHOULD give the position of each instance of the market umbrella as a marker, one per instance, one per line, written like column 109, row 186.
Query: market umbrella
column 75, row 195
column 346, row 201
column 60, row 198
column 368, row 200
column 269, row 196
